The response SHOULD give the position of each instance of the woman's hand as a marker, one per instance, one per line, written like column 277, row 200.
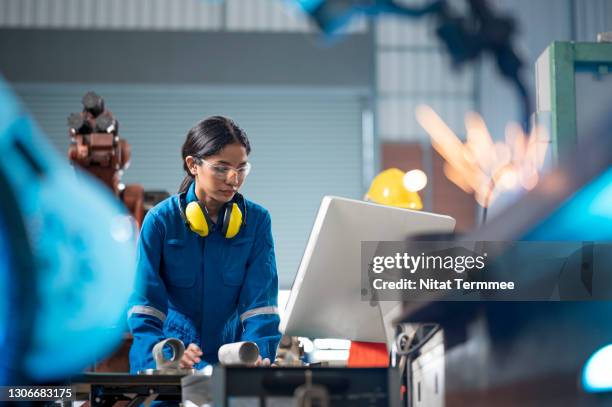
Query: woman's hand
column 191, row 356
column 262, row 362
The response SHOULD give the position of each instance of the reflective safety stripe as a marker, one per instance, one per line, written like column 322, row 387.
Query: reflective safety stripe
column 143, row 309
column 259, row 311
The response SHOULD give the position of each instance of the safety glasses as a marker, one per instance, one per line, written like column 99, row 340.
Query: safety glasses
column 223, row 172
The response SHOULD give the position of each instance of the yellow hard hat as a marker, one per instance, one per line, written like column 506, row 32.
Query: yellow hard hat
column 388, row 188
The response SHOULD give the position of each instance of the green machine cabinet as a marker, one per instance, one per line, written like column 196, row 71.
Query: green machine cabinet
column 574, row 85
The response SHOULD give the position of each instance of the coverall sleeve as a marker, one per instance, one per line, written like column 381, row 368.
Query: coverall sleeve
column 258, row 301
column 148, row 304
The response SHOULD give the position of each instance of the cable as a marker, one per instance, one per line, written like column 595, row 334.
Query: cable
column 401, row 347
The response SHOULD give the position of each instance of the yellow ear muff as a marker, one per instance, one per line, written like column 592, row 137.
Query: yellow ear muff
column 234, row 223
column 196, row 219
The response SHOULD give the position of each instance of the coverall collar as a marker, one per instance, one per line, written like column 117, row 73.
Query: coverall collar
column 191, row 195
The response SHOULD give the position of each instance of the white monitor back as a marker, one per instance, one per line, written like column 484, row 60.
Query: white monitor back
column 325, row 300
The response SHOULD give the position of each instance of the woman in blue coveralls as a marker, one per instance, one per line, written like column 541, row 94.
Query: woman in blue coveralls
column 206, row 265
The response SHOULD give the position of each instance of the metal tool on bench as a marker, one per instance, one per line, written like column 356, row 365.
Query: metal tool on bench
column 309, row 394
column 290, row 352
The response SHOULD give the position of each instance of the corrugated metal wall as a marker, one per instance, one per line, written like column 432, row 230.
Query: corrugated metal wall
column 265, row 15
column 306, row 142
column 230, row 15
column 412, row 68
column 111, row 14
column 591, row 17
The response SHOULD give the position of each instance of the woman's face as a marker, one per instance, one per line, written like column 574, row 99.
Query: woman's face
column 219, row 176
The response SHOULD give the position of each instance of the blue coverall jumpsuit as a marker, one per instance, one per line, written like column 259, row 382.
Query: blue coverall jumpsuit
column 208, row 291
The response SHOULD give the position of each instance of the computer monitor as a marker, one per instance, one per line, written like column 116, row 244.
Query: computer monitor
column 325, row 300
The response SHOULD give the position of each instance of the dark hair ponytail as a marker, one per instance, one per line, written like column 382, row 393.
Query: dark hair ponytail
column 207, row 138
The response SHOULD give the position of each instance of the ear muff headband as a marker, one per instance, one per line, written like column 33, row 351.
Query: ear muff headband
column 196, row 217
